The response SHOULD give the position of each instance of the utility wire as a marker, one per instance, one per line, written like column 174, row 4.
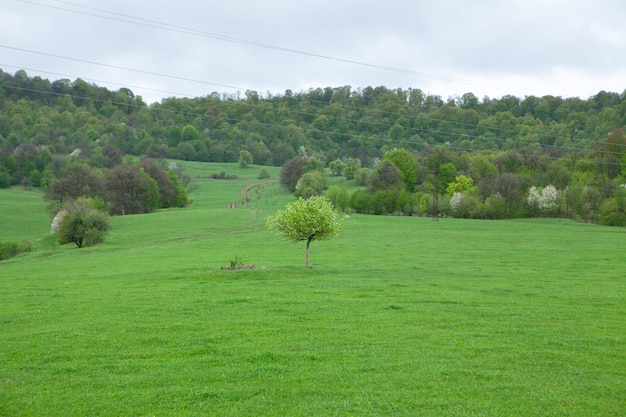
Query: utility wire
column 180, row 29
column 426, row 117
column 93, row 80
column 85, row 61
column 422, row 145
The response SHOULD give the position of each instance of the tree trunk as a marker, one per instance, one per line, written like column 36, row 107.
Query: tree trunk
column 308, row 243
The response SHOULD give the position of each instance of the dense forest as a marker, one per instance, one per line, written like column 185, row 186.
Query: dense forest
column 414, row 153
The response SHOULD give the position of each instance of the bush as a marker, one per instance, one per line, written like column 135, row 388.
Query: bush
column 263, row 174
column 336, row 167
column 611, row 214
column 83, row 225
column 223, row 176
column 495, row 207
column 11, row 249
column 339, row 197
column 359, row 201
column 463, row 205
column 360, row 176
column 351, row 167
column 310, row 184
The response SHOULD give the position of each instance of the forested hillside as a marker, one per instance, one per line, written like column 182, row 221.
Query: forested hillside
column 505, row 146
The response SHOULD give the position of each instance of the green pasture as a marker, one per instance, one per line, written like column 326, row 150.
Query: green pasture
column 401, row 316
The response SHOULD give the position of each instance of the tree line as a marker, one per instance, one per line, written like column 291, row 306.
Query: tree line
column 502, row 144
column 439, row 182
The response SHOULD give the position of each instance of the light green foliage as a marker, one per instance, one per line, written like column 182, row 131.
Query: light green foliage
column 263, row 174
column 462, row 184
column 245, row 159
column 189, row 133
column 360, row 176
column 310, row 184
column 351, row 168
column 336, row 167
column 313, row 164
column 182, row 196
column 407, row 164
column 307, row 220
column 338, row 195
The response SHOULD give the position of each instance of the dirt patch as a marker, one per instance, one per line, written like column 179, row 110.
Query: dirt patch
column 245, row 194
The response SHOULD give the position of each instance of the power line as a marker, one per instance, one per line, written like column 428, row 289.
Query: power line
column 426, row 117
column 119, row 67
column 125, row 18
column 212, row 83
column 268, row 124
column 93, row 80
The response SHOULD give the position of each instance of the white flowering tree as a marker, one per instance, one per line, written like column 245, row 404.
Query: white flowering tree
column 534, row 200
column 549, row 198
column 544, row 200
column 307, row 220
column 455, row 201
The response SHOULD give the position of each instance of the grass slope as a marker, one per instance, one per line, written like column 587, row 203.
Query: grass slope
column 400, row 316
column 23, row 215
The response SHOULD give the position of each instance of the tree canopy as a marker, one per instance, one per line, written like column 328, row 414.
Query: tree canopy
column 504, row 145
column 307, row 220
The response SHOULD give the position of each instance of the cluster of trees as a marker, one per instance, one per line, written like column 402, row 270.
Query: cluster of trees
column 505, row 145
column 495, row 185
column 130, row 188
column 66, row 115
column 83, row 197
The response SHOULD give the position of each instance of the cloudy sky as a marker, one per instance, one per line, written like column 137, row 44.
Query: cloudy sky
column 158, row 48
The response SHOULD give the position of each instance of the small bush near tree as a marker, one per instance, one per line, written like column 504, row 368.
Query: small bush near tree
column 310, row 184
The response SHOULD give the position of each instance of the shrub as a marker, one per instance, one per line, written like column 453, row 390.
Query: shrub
column 83, row 225
column 336, row 167
column 263, row 174
column 360, row 176
column 310, row 184
column 351, row 167
column 339, row 197
column 613, row 212
column 11, row 249
column 466, row 206
column 245, row 159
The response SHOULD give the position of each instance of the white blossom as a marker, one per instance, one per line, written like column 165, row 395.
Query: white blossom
column 549, row 197
column 534, row 198
column 56, row 222
column 455, row 200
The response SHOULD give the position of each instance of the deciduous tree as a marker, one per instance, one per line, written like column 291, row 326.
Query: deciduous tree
column 83, row 225
column 307, row 220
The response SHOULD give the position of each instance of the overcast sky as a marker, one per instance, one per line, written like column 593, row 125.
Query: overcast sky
column 158, row 48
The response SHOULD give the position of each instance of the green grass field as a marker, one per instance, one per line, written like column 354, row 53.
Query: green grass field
column 401, row 316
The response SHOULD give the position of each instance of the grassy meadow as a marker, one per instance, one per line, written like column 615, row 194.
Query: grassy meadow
column 401, row 316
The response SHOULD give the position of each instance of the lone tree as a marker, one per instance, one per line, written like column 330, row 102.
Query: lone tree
column 307, row 220
column 82, row 225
